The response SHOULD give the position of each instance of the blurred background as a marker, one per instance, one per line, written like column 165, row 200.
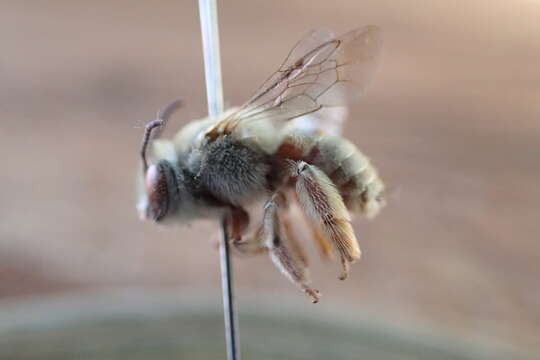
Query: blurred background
column 451, row 119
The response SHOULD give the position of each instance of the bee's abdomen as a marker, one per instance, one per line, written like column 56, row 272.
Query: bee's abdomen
column 351, row 171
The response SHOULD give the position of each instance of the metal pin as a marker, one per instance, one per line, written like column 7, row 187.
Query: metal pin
column 231, row 322
column 214, row 92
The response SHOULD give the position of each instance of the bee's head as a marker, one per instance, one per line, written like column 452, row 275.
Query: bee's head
column 160, row 193
column 162, row 190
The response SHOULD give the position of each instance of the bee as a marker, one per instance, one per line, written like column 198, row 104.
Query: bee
column 275, row 150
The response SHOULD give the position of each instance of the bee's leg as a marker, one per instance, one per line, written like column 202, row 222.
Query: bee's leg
column 292, row 239
column 283, row 253
column 324, row 207
column 238, row 223
column 251, row 244
column 325, row 248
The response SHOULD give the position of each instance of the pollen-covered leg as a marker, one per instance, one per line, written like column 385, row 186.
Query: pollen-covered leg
column 325, row 248
column 324, row 207
column 285, row 254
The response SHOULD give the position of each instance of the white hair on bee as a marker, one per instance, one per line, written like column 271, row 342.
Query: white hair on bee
column 164, row 149
column 328, row 120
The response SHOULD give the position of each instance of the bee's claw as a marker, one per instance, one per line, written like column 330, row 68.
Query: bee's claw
column 345, row 269
column 314, row 293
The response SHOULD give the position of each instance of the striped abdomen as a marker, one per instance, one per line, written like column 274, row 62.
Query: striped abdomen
column 351, row 171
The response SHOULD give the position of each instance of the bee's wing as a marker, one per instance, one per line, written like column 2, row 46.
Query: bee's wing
column 320, row 71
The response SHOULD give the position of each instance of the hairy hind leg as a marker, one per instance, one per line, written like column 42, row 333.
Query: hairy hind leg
column 324, row 208
column 284, row 251
column 326, row 250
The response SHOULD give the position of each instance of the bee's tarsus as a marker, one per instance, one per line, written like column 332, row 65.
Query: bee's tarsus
column 285, row 253
column 345, row 269
column 313, row 293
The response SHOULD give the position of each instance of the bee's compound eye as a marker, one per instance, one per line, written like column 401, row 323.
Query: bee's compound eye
column 157, row 191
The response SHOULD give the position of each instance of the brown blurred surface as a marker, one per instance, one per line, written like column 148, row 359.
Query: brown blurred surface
column 451, row 119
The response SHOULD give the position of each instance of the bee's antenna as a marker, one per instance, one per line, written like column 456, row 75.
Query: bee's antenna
column 155, row 128
column 165, row 113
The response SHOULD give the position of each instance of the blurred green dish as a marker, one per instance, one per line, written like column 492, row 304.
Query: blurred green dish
column 150, row 325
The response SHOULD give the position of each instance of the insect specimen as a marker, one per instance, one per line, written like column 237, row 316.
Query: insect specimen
column 278, row 149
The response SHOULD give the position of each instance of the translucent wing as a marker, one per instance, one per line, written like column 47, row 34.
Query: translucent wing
column 320, row 71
